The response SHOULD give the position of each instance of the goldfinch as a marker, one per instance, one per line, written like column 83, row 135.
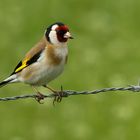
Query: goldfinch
column 45, row 61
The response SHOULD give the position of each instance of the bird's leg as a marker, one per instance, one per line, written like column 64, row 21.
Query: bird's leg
column 51, row 89
column 39, row 95
column 58, row 94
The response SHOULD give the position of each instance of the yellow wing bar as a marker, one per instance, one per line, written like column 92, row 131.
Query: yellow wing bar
column 23, row 65
column 26, row 62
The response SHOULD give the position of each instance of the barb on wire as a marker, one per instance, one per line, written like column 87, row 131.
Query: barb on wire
column 67, row 93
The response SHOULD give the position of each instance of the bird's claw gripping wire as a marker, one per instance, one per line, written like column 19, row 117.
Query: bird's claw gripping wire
column 58, row 95
column 39, row 97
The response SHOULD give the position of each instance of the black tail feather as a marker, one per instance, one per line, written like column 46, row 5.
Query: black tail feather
column 3, row 83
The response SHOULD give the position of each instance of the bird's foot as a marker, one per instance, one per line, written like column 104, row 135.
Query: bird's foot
column 58, row 95
column 39, row 97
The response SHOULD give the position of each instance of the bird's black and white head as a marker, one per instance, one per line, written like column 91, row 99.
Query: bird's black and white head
column 58, row 33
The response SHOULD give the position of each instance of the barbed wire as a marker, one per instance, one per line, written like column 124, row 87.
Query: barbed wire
column 67, row 93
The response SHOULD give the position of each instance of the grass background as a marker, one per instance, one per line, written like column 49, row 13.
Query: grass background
column 104, row 53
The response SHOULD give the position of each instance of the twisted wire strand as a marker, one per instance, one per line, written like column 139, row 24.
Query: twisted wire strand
column 67, row 93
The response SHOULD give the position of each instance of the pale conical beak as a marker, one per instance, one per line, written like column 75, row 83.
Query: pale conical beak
column 68, row 35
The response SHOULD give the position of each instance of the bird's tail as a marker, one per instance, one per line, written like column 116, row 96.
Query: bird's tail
column 10, row 79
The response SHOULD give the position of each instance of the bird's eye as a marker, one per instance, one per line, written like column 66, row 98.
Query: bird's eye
column 61, row 32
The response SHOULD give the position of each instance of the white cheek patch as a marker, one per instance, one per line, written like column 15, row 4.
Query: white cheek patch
column 53, row 37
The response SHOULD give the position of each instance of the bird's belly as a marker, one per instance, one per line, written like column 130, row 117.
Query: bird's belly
column 48, row 74
column 41, row 75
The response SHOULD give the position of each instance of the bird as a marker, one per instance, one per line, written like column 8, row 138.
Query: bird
column 45, row 61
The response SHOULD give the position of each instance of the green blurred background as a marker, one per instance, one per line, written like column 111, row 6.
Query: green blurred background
column 104, row 53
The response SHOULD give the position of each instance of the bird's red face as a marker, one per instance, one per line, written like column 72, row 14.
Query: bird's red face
column 63, row 33
column 58, row 33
